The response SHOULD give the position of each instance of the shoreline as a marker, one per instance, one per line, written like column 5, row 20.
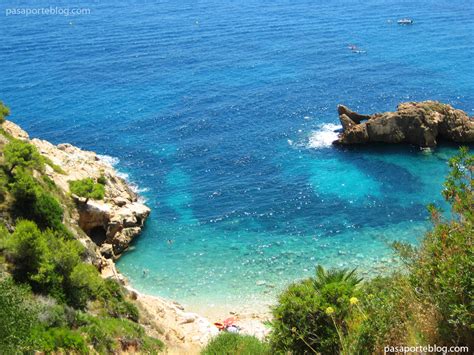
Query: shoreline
column 124, row 211
column 185, row 329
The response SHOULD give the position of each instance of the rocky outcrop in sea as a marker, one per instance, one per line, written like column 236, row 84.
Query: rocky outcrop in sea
column 419, row 123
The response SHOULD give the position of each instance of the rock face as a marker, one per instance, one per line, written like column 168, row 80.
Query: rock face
column 418, row 123
column 112, row 223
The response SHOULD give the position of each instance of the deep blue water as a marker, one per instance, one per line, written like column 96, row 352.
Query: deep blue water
column 221, row 112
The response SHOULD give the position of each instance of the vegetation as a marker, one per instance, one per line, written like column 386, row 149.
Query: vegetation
column 310, row 313
column 88, row 188
column 4, row 112
column 33, row 202
column 235, row 344
column 19, row 317
column 429, row 302
column 22, row 154
column 51, row 299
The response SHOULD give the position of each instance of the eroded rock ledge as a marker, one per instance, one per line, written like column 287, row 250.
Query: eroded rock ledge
column 419, row 123
column 112, row 223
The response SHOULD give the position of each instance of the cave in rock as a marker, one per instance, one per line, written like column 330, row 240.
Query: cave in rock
column 98, row 235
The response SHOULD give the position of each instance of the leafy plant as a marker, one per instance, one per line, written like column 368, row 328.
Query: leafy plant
column 18, row 316
column 87, row 188
column 32, row 202
column 311, row 313
column 19, row 153
column 236, row 344
column 4, row 112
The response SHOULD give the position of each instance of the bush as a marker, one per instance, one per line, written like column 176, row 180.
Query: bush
column 27, row 248
column 24, row 189
column 115, row 304
column 235, row 344
column 47, row 212
column 442, row 268
column 60, row 339
column 310, row 313
column 4, row 112
column 104, row 332
column 46, row 261
column 385, row 316
column 19, row 153
column 84, row 284
column 102, row 180
column 18, row 317
column 32, row 202
column 87, row 188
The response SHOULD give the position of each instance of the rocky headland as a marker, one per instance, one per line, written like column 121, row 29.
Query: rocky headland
column 419, row 123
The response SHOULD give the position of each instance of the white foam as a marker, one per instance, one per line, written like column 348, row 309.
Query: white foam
column 108, row 159
column 133, row 186
column 324, row 136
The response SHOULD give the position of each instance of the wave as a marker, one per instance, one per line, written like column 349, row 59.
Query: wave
column 113, row 161
column 108, row 159
column 133, row 186
column 324, row 136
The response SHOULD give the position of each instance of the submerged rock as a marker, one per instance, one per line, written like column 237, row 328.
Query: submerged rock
column 418, row 123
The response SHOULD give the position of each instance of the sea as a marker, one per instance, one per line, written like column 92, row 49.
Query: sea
column 222, row 115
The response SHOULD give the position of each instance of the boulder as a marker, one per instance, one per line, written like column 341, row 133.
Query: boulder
column 419, row 123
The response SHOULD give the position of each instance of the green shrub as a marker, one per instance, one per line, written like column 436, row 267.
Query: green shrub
column 32, row 202
column 442, row 268
column 56, row 168
column 102, row 180
column 19, row 153
column 385, row 316
column 18, row 316
column 24, row 188
column 60, row 339
column 85, row 284
column 302, row 322
column 87, row 188
column 121, row 309
column 27, row 248
column 52, row 314
column 4, row 112
column 47, row 212
column 47, row 261
column 115, row 303
column 236, row 344
column 109, row 335
column 3, row 185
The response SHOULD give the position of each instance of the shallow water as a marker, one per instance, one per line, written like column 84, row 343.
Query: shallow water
column 223, row 115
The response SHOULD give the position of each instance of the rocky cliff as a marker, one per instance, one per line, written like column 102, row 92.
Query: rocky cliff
column 419, row 123
column 112, row 223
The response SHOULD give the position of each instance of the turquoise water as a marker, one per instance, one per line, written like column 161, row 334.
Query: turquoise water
column 223, row 114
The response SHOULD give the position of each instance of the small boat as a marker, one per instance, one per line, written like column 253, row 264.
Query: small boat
column 405, row 21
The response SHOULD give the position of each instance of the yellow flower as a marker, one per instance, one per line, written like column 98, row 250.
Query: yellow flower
column 293, row 330
column 329, row 311
column 353, row 300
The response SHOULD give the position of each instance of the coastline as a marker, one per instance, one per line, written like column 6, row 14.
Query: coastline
column 124, row 211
